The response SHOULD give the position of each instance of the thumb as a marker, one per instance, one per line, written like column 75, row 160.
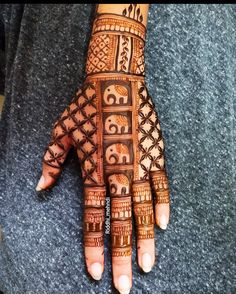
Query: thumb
column 53, row 160
column 48, row 177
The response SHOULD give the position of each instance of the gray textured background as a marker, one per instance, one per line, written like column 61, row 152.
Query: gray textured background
column 190, row 58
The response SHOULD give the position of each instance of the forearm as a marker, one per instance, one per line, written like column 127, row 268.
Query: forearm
column 137, row 12
column 118, row 39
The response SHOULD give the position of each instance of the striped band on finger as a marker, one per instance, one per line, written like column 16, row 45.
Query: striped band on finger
column 160, row 186
column 121, row 238
column 94, row 216
column 143, row 210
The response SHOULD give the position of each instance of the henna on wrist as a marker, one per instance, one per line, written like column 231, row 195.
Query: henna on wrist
column 116, row 45
column 113, row 125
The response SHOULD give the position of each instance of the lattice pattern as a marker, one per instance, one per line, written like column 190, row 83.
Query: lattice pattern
column 151, row 145
column 85, row 136
column 100, row 53
column 138, row 63
column 78, row 122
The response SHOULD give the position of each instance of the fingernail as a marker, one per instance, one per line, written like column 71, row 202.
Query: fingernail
column 124, row 291
column 96, row 270
column 163, row 222
column 146, row 262
column 40, row 184
column 123, row 284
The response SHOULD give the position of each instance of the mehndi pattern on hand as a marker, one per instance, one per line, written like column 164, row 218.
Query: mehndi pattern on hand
column 113, row 124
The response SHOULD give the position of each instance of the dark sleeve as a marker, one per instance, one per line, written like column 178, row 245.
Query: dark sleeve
column 2, row 57
column 10, row 24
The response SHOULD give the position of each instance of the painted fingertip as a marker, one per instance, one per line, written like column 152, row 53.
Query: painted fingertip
column 146, row 262
column 123, row 284
column 40, row 184
column 96, row 271
column 163, row 222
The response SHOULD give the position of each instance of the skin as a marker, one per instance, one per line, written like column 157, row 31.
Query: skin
column 120, row 265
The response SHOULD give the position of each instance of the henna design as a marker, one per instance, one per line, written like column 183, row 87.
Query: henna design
column 136, row 12
column 143, row 210
column 124, row 55
column 121, row 153
column 138, row 65
column 118, row 153
column 117, row 123
column 94, row 215
column 141, row 192
column 101, row 53
column 121, row 237
column 93, row 240
column 119, row 184
column 146, row 232
column 151, row 145
column 121, row 252
column 94, row 220
column 144, row 213
column 94, row 197
column 160, row 186
column 121, row 234
column 118, row 24
column 110, row 50
column 85, row 134
column 116, row 131
column 79, row 123
column 121, row 208
column 116, row 93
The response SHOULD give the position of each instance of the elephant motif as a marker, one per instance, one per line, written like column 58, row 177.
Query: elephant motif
column 119, row 184
column 116, row 124
column 115, row 95
column 117, row 153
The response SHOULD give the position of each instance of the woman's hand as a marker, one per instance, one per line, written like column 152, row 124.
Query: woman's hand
column 114, row 127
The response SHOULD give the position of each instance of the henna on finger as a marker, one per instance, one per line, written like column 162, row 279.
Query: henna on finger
column 94, row 216
column 130, row 142
column 114, row 127
column 118, row 155
column 143, row 210
column 121, row 216
column 160, row 186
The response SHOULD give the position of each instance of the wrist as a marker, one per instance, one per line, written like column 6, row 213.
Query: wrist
column 116, row 46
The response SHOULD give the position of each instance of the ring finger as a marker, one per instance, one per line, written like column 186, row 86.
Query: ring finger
column 144, row 220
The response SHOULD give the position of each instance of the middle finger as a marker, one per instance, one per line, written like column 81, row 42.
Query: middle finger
column 121, row 231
